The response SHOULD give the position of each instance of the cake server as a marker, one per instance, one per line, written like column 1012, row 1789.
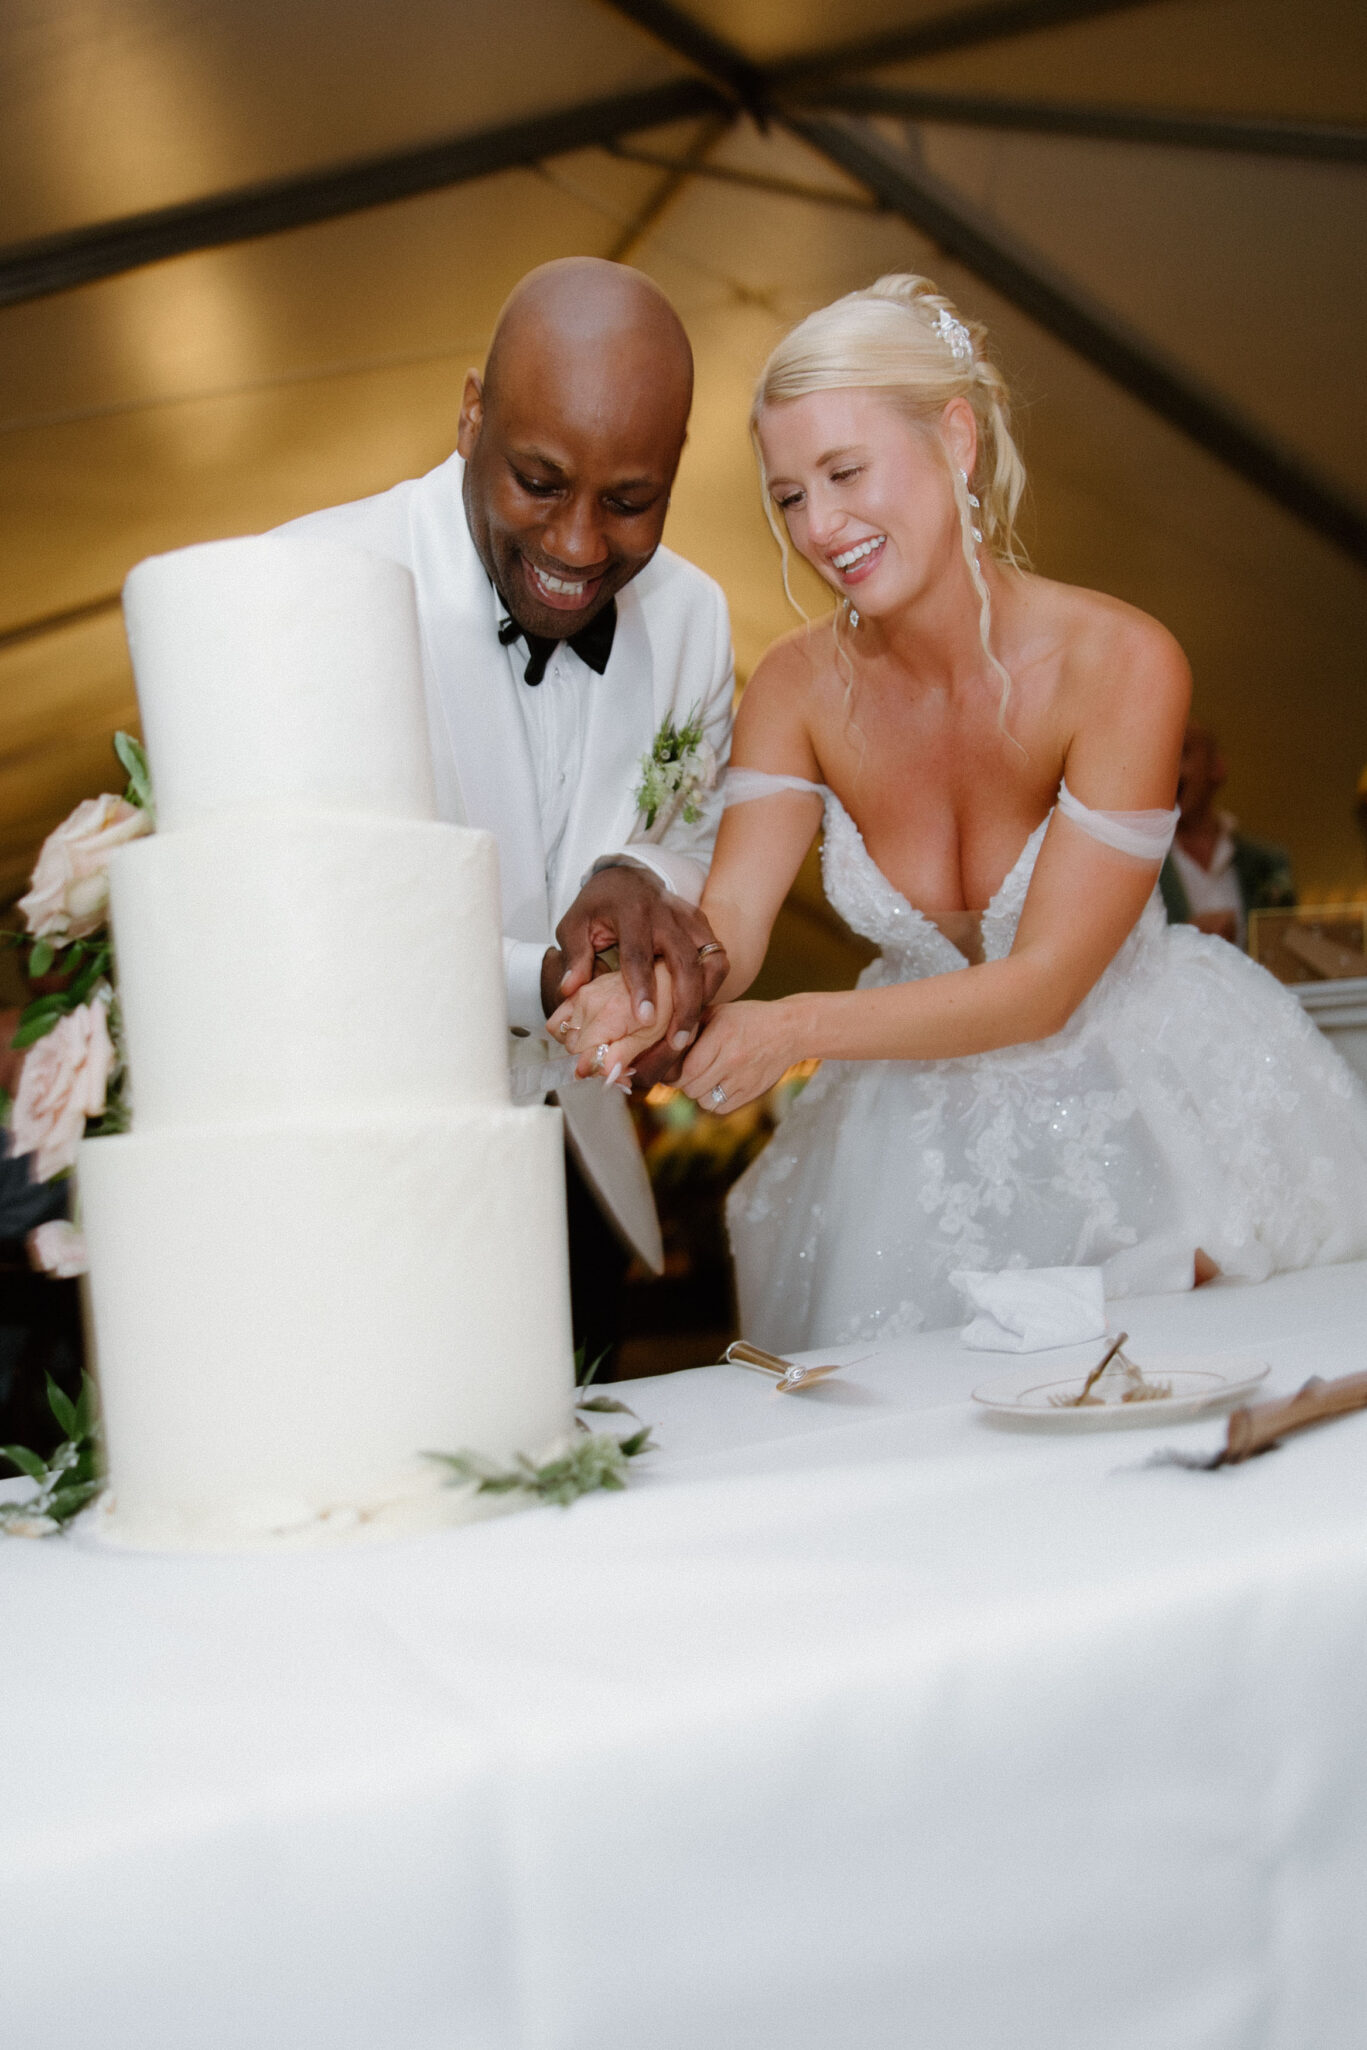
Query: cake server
column 740, row 1353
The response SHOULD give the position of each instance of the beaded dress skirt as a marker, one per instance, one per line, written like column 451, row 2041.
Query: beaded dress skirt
column 1189, row 1102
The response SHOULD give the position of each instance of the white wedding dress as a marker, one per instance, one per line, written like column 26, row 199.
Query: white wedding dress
column 1189, row 1102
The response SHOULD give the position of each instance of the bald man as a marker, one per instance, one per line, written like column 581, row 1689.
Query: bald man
column 559, row 640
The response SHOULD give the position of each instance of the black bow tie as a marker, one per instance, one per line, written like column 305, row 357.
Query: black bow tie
column 593, row 643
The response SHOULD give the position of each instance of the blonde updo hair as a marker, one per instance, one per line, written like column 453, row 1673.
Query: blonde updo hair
column 903, row 337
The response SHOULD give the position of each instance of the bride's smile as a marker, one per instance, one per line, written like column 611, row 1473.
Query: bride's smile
column 867, row 493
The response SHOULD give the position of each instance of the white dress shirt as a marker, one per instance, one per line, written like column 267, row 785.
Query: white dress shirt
column 1215, row 888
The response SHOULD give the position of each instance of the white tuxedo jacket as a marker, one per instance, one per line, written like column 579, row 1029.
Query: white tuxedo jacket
column 671, row 657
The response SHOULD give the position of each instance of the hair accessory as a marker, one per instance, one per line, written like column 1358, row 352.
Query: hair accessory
column 954, row 335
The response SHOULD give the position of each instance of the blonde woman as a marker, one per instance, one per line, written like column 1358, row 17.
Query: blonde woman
column 1038, row 1070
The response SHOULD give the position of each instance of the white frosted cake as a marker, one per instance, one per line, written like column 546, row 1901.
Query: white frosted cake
column 328, row 1244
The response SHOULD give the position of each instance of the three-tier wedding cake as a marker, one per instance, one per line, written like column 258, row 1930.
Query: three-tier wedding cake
column 328, row 1244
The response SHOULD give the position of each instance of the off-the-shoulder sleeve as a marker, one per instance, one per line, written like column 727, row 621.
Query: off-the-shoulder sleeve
column 1145, row 834
column 742, row 786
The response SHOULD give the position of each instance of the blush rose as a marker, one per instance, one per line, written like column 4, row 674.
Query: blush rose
column 57, row 1248
column 63, row 1083
column 69, row 896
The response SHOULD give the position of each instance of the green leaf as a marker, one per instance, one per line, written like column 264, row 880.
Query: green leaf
column 605, row 1406
column 29, row 1035
column 636, row 1444
column 27, row 1462
column 50, row 1006
column 63, row 1408
column 134, row 760
column 81, row 984
column 86, row 1410
column 6, row 1106
column 66, row 1502
column 40, row 957
column 584, row 1376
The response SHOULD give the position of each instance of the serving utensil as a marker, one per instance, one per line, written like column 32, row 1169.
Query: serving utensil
column 740, row 1353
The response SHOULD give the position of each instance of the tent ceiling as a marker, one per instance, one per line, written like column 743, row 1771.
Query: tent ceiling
column 223, row 389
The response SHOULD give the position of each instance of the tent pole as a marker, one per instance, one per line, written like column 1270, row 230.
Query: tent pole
column 57, row 263
column 1314, row 141
column 1024, row 278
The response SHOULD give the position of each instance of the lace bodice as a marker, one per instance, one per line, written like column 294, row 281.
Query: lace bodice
column 909, row 940
column 912, row 944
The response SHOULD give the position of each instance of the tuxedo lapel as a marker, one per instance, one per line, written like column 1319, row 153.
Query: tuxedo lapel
column 620, row 726
column 475, row 701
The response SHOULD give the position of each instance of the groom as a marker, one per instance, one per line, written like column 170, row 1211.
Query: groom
column 559, row 640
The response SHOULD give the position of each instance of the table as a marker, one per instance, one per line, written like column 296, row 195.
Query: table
column 858, row 1721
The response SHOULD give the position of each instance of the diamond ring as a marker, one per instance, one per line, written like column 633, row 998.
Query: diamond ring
column 564, row 1028
column 600, row 1059
column 717, row 1096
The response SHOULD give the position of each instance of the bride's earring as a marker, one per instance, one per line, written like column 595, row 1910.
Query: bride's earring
column 974, row 501
column 851, row 614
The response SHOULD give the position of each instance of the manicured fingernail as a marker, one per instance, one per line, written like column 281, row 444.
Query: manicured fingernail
column 681, row 1040
column 608, row 1080
column 625, row 1088
column 645, row 1012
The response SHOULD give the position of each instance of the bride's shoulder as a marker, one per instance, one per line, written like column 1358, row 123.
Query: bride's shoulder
column 779, row 704
column 799, row 659
column 1107, row 648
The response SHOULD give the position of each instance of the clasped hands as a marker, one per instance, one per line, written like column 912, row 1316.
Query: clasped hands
column 641, row 1022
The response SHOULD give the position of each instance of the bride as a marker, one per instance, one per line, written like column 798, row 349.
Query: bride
column 1037, row 1070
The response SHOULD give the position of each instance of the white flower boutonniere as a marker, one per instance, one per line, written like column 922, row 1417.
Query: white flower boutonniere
column 679, row 770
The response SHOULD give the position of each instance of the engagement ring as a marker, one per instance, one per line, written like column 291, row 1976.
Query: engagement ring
column 717, row 1095
column 563, row 1029
column 600, row 1059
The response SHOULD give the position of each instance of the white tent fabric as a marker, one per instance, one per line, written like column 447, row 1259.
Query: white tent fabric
column 1207, row 199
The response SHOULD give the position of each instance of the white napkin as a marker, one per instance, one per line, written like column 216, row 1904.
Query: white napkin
column 1029, row 1309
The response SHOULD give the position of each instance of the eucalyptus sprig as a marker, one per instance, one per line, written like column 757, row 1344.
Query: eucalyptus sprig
column 591, row 1462
column 69, row 1478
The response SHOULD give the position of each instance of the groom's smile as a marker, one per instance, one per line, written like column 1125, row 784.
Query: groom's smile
column 571, row 440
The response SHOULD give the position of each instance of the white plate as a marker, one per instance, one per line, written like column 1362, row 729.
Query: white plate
column 1201, row 1382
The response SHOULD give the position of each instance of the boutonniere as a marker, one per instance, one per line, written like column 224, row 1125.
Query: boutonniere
column 679, row 769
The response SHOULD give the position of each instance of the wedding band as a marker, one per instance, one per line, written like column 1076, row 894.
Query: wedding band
column 712, row 947
column 600, row 1059
column 717, row 1095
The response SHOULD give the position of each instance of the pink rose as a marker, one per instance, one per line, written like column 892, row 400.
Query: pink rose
column 57, row 1248
column 62, row 1084
column 69, row 895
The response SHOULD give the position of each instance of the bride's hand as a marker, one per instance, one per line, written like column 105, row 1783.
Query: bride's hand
column 599, row 1023
column 741, row 1053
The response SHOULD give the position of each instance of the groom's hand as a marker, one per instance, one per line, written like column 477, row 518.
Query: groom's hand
column 631, row 909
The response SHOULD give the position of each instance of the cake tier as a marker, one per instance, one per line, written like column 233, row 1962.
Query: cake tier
column 273, row 670
column 286, row 1320
column 292, row 962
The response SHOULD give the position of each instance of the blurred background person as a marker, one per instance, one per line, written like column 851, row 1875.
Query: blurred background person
column 1214, row 874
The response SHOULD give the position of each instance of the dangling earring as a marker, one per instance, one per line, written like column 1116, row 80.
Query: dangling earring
column 973, row 500
column 851, row 614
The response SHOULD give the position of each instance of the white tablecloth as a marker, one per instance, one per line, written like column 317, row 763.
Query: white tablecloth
column 856, row 1722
